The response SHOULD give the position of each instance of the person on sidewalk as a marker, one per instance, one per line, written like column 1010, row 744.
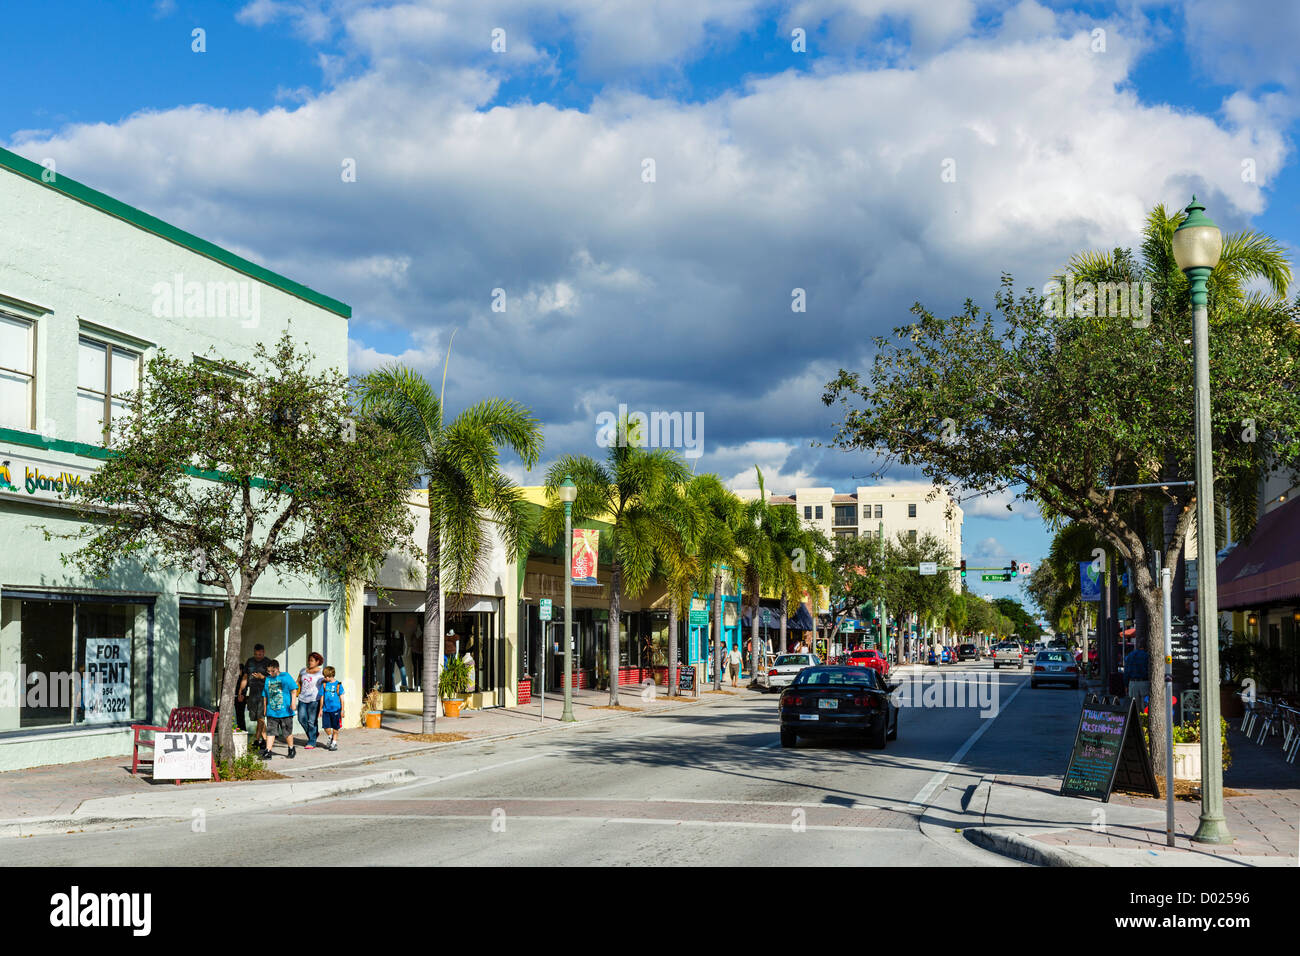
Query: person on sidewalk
column 309, row 704
column 396, row 663
column 281, row 698
column 331, row 695
column 1137, row 674
column 417, row 657
column 734, row 660
column 254, row 694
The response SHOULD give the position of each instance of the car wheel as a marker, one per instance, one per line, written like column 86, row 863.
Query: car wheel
column 788, row 738
column 1033, row 684
column 880, row 734
column 893, row 734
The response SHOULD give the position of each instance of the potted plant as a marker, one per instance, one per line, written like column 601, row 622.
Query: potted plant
column 371, row 712
column 1187, row 749
column 452, row 685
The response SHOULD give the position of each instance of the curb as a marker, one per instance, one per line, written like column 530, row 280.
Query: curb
column 96, row 816
column 1024, row 849
column 426, row 748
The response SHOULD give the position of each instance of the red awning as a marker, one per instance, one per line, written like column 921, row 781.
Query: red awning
column 1265, row 570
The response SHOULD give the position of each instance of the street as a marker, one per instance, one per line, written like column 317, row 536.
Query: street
column 711, row 786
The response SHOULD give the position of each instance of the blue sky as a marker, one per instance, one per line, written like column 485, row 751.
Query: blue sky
column 775, row 169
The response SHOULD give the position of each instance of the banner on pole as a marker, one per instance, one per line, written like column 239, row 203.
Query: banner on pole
column 1089, row 581
column 586, row 550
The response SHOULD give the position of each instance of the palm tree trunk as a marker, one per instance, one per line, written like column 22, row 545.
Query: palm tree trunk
column 753, row 639
column 615, row 619
column 783, row 622
column 432, row 626
column 717, row 614
column 672, row 645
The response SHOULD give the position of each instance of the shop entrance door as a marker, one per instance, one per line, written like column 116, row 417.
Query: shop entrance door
column 196, row 687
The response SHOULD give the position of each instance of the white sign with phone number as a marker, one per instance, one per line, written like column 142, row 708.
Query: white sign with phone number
column 108, row 680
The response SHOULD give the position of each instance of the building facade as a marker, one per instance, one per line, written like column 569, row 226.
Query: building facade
column 90, row 290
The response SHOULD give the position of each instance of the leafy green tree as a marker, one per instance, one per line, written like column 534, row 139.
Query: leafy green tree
column 459, row 462
column 909, row 592
column 228, row 471
column 624, row 490
column 1064, row 403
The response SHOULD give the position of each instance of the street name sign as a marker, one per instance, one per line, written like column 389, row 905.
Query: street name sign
column 1108, row 751
column 995, row 577
column 544, row 609
column 929, row 567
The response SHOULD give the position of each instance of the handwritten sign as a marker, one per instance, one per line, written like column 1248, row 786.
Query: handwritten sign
column 182, row 756
column 1108, row 751
column 686, row 680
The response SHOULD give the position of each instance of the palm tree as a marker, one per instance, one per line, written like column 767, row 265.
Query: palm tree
column 459, row 462
column 680, row 526
column 718, row 548
column 624, row 490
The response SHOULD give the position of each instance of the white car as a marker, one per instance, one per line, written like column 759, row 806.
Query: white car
column 782, row 671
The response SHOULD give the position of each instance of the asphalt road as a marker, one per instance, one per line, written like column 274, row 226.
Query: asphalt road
column 706, row 787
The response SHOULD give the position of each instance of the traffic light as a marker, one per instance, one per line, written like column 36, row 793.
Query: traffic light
column 963, row 567
column 1013, row 568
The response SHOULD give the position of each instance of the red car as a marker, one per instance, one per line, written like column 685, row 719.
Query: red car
column 868, row 658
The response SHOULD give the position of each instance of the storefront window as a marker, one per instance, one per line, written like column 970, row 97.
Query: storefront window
column 72, row 663
column 472, row 635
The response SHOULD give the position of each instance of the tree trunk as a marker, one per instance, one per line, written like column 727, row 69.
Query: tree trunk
column 615, row 619
column 672, row 646
column 230, row 677
column 753, row 639
column 783, row 622
column 432, row 627
column 717, row 628
column 1153, row 600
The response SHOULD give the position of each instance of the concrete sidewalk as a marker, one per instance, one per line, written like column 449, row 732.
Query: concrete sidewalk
column 1025, row 818
column 101, row 793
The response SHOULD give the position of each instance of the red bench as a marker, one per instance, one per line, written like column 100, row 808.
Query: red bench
column 193, row 720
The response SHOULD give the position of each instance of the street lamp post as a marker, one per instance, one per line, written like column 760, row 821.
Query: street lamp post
column 568, row 493
column 1197, row 246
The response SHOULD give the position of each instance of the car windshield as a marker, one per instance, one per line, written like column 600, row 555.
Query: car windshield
column 1059, row 657
column 792, row 659
column 837, row 677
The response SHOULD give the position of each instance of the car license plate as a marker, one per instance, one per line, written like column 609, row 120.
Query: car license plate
column 1054, row 667
column 807, row 716
column 828, row 704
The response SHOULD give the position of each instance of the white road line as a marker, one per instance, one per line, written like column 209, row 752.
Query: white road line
column 690, row 800
column 920, row 800
column 430, row 781
column 741, row 824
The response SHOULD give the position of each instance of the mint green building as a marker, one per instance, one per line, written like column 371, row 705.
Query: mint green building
column 90, row 289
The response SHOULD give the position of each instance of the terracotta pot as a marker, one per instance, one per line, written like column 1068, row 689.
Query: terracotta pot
column 374, row 719
column 451, row 708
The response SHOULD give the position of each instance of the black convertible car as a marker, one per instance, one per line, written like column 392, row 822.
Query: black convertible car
column 838, row 702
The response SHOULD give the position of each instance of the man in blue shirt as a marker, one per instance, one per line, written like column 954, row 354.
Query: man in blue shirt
column 1137, row 672
column 281, row 693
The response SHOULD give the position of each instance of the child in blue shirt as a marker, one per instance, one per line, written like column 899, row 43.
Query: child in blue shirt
column 281, row 693
column 331, row 695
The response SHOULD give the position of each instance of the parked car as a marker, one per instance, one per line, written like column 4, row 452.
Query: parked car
column 785, row 667
column 867, row 657
column 1054, row 667
column 838, row 701
column 968, row 652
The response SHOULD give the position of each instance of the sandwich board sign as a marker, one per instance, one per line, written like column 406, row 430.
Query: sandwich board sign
column 1108, row 751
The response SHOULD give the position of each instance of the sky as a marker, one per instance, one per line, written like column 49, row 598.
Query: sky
column 614, row 204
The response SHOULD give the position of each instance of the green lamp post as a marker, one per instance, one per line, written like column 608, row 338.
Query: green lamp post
column 1198, row 244
column 568, row 494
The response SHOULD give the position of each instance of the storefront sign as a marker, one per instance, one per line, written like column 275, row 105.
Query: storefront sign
column 39, row 478
column 182, row 756
column 586, row 550
column 107, row 691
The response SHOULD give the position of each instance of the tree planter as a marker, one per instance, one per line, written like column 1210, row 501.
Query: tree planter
column 451, row 708
column 374, row 719
column 240, row 746
column 1187, row 761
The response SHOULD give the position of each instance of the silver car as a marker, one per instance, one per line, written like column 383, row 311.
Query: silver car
column 782, row 671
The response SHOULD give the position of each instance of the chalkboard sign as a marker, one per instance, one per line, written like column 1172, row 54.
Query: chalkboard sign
column 686, row 680
column 1108, row 751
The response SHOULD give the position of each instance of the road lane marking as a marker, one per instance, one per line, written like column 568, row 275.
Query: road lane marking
column 430, row 781
column 923, row 795
column 741, row 824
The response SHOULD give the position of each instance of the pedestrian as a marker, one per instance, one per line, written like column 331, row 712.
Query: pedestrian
column 251, row 689
column 309, row 704
column 735, row 665
column 281, row 697
column 1137, row 672
column 331, row 695
column 240, row 719
column 417, row 657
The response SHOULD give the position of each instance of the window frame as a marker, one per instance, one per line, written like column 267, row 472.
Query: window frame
column 30, row 376
column 911, row 509
column 109, row 347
